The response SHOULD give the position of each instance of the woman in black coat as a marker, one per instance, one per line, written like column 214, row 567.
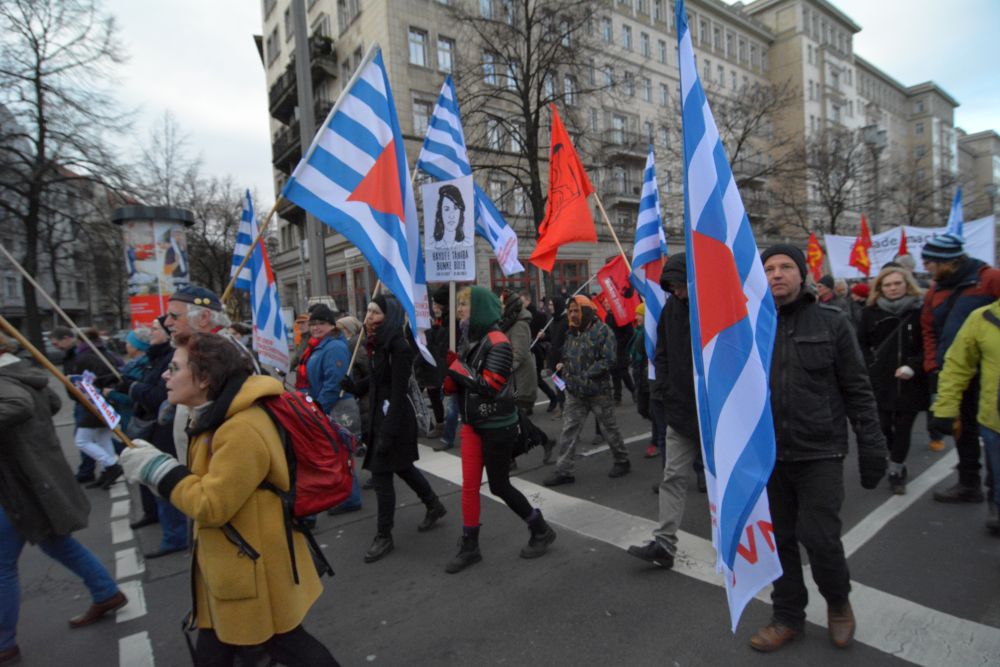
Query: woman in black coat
column 392, row 430
column 891, row 340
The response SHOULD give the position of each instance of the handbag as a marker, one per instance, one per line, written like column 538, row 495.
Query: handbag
column 529, row 436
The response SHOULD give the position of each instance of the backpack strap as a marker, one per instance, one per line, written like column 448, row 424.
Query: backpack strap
column 991, row 318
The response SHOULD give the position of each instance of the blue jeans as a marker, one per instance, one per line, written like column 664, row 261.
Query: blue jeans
column 991, row 443
column 173, row 523
column 450, row 419
column 63, row 548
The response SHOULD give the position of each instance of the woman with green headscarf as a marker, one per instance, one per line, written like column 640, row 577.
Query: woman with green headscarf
column 483, row 380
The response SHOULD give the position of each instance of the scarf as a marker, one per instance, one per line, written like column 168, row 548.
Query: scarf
column 900, row 305
column 302, row 373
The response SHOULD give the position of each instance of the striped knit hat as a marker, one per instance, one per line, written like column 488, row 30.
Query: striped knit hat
column 943, row 248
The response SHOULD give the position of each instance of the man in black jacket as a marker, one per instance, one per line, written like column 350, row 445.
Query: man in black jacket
column 673, row 393
column 818, row 378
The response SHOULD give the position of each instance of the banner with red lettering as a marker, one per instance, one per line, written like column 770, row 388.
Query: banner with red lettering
column 614, row 282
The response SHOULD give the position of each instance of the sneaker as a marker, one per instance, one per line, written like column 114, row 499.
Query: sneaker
column 936, row 445
column 558, row 479
column 620, row 469
column 651, row 452
column 652, row 552
column 960, row 493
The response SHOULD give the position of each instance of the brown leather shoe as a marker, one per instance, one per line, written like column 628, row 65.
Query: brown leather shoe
column 840, row 622
column 98, row 610
column 773, row 637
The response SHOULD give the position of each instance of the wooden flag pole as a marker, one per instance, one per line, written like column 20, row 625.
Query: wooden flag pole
column 246, row 258
column 59, row 310
column 44, row 361
column 604, row 215
column 451, row 316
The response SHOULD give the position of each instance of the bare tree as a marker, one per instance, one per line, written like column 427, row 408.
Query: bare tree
column 168, row 171
column 55, row 61
column 825, row 179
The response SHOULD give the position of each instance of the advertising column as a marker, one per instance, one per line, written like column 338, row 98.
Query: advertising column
column 156, row 257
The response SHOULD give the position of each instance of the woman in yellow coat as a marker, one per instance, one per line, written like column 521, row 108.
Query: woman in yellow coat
column 234, row 448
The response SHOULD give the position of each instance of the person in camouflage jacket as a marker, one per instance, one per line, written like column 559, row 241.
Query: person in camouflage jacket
column 588, row 360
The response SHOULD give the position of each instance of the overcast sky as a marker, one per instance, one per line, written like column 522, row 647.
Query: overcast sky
column 197, row 59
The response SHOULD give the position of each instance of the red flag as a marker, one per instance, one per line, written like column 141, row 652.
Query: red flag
column 814, row 257
column 600, row 302
column 903, row 250
column 859, row 252
column 613, row 279
column 567, row 214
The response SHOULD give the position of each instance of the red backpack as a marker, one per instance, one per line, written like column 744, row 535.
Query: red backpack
column 320, row 460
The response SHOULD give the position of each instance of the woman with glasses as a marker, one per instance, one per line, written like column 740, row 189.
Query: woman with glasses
column 239, row 601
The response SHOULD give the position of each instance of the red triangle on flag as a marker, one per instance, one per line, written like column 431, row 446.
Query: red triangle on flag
column 380, row 186
column 721, row 301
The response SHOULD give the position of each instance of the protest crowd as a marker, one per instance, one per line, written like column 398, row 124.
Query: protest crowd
column 235, row 461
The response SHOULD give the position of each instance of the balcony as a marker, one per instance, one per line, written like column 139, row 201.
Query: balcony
column 286, row 149
column 322, row 58
column 623, row 143
column 320, row 109
column 290, row 212
column 749, row 170
column 282, row 97
column 620, row 194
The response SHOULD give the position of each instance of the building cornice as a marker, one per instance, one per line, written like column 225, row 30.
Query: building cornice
column 761, row 5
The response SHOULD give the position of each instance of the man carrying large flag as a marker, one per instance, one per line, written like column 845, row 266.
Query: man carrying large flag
column 567, row 213
column 445, row 157
column 270, row 337
column 732, row 330
column 355, row 178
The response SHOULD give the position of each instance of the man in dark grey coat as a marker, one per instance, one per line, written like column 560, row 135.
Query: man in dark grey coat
column 40, row 501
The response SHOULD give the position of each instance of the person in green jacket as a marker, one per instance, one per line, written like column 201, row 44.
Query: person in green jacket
column 976, row 349
column 483, row 380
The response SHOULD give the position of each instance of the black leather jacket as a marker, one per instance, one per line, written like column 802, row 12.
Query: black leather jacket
column 486, row 378
column 818, row 377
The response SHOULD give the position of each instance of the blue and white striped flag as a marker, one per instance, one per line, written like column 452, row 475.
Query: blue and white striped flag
column 355, row 178
column 444, row 157
column 648, row 253
column 270, row 337
column 733, row 321
column 955, row 217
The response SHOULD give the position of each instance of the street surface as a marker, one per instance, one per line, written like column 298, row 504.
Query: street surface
column 926, row 579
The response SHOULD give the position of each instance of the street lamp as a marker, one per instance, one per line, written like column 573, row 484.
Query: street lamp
column 875, row 139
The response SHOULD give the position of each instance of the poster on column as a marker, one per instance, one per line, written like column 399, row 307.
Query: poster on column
column 157, row 265
column 449, row 232
column 980, row 238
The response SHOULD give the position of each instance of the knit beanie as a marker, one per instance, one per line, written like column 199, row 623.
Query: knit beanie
column 139, row 341
column 943, row 248
column 827, row 281
column 790, row 251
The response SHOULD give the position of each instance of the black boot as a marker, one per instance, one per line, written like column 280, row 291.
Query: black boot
column 468, row 551
column 435, row 510
column 107, row 478
column 380, row 547
column 542, row 536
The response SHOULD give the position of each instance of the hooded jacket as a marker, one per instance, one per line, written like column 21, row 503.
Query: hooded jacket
column 325, row 368
column 486, row 377
column 589, row 356
column 556, row 334
column 674, row 383
column 516, row 325
column 977, row 285
column 38, row 492
column 234, row 447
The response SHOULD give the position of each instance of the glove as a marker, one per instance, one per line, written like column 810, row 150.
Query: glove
column 942, row 425
column 146, row 464
column 347, row 384
column 450, row 358
column 124, row 385
column 872, row 470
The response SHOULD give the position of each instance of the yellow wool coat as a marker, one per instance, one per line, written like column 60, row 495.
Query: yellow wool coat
column 244, row 601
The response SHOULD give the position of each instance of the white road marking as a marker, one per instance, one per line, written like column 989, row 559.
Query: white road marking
column 866, row 529
column 119, row 508
column 127, row 564
column 135, row 650
column 886, row 622
column 627, row 441
column 119, row 489
column 120, row 531
column 136, row 606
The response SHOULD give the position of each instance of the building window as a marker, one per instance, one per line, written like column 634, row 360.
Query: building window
column 717, row 37
column 495, row 189
column 520, row 281
column 520, row 201
column 743, row 50
column 662, row 47
column 721, row 72
column 269, row 7
column 494, row 133
column 627, row 37
column 644, row 44
column 489, row 69
column 647, row 89
column 569, row 274
column 10, row 287
column 609, row 76
column 708, row 70
column 364, row 284
column 730, row 45
column 746, row 82
column 594, row 120
column 664, row 136
column 918, row 128
column 421, row 116
column 446, row 54
column 732, row 79
column 918, row 107
column 273, row 47
column 569, row 88
column 630, row 84
column 486, row 9
column 754, row 57
column 618, row 129
column 703, row 32
column 809, row 54
column 418, row 47
column 606, row 33
column 657, row 10
column 920, row 151
column 664, row 95
column 836, row 113
column 648, row 127
column 289, row 24
column 812, row 90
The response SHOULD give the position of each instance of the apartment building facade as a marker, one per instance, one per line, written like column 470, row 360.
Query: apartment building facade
column 804, row 45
